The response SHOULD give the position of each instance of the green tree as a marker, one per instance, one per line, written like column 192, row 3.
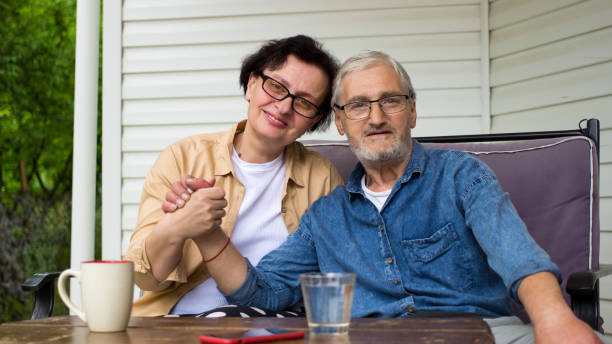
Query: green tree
column 36, row 96
column 37, row 53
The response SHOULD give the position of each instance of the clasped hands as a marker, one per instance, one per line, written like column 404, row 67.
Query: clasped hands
column 194, row 207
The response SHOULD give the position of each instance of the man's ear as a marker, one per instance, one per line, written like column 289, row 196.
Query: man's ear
column 413, row 115
column 338, row 122
column 250, row 91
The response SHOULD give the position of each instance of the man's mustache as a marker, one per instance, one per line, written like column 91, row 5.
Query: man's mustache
column 383, row 127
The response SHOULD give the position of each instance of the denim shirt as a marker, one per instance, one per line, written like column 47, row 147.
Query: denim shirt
column 447, row 239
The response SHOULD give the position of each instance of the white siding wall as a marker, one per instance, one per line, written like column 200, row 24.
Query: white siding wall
column 181, row 62
column 551, row 65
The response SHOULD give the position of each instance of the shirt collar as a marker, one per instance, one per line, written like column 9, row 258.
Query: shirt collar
column 223, row 149
column 416, row 165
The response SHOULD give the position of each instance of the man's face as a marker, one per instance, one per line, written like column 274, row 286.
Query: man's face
column 380, row 137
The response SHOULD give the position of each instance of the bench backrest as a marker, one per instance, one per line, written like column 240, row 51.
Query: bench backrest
column 552, row 182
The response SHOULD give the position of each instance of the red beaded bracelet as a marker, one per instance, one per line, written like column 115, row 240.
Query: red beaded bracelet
column 217, row 255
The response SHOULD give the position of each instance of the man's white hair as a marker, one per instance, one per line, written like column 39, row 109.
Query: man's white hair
column 367, row 59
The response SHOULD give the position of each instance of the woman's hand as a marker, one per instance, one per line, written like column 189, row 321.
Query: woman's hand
column 202, row 208
column 202, row 214
column 181, row 191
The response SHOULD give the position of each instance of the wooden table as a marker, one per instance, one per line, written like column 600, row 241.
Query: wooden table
column 67, row 329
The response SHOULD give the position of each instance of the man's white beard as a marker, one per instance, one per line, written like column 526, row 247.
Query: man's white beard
column 397, row 152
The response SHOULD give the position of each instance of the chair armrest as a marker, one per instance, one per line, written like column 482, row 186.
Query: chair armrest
column 582, row 283
column 43, row 286
column 583, row 288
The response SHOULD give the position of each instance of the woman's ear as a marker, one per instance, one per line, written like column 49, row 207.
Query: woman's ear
column 250, row 90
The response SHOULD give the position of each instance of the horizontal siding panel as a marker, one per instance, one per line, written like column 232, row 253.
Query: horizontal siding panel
column 447, row 126
column 595, row 47
column 606, row 314
column 181, row 84
column 435, row 75
column 605, row 256
column 584, row 83
column 130, row 217
column 460, row 74
column 125, row 243
column 506, row 12
column 605, row 292
column 332, row 24
column 605, row 178
column 555, row 117
column 138, row 164
column 155, row 9
column 575, row 20
column 606, row 153
column 418, row 48
column 448, row 103
column 605, row 218
column 185, row 110
column 186, row 57
column 131, row 190
column 156, row 138
column 411, row 48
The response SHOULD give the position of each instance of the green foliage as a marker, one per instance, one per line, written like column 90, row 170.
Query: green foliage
column 37, row 54
column 33, row 238
column 36, row 95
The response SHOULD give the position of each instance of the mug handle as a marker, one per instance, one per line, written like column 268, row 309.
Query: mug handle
column 61, row 284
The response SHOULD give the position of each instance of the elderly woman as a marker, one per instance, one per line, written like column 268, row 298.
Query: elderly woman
column 253, row 181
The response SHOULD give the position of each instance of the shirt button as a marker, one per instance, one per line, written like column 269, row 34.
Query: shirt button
column 389, row 260
column 283, row 210
column 381, row 228
column 395, row 282
column 410, row 309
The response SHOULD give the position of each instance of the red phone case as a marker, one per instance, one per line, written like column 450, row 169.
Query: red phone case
column 256, row 339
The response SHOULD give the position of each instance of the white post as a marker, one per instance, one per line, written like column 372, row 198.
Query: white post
column 85, row 131
column 485, row 84
column 111, row 131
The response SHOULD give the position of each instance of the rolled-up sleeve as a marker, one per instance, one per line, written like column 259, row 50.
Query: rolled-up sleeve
column 275, row 282
column 510, row 250
column 156, row 185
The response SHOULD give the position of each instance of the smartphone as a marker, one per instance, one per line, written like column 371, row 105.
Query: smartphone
column 259, row 335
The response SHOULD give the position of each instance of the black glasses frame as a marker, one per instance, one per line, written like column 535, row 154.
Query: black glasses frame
column 408, row 96
column 289, row 94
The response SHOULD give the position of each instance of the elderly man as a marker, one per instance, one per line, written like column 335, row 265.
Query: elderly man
column 425, row 231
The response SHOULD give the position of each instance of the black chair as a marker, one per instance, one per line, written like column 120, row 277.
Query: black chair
column 552, row 179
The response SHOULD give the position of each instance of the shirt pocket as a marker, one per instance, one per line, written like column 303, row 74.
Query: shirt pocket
column 439, row 261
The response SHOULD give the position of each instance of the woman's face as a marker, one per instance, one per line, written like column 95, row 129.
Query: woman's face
column 274, row 121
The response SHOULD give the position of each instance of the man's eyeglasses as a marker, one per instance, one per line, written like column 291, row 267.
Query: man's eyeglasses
column 389, row 105
column 279, row 92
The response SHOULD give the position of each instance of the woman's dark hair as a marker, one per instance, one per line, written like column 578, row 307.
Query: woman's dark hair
column 274, row 54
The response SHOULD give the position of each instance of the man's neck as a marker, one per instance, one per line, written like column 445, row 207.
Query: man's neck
column 382, row 176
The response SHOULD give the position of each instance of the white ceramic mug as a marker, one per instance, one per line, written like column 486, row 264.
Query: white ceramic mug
column 107, row 288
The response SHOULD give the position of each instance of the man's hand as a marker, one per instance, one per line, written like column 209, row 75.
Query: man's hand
column 553, row 321
column 564, row 328
column 181, row 191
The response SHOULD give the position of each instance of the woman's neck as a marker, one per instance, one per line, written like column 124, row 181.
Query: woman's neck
column 252, row 149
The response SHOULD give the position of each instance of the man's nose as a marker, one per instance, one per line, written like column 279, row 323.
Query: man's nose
column 376, row 113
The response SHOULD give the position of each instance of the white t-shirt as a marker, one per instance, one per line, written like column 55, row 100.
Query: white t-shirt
column 258, row 230
column 377, row 197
